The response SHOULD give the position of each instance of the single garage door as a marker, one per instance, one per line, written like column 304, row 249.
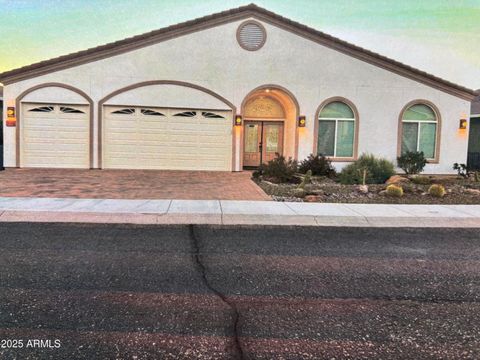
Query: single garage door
column 54, row 136
column 173, row 139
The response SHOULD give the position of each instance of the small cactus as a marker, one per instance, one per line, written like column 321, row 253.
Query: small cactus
column 307, row 179
column 394, row 190
column 437, row 190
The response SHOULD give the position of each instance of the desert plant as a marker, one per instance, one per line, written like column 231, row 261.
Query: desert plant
column 363, row 173
column 462, row 169
column 376, row 171
column 421, row 180
column 476, row 176
column 307, row 179
column 394, row 190
column 437, row 190
column 412, row 162
column 278, row 170
column 318, row 164
column 408, row 188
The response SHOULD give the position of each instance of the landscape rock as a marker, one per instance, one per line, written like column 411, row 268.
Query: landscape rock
column 397, row 179
column 473, row 192
column 313, row 198
column 286, row 199
column 362, row 189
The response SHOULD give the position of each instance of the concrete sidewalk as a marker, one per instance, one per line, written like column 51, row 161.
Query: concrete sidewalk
column 228, row 212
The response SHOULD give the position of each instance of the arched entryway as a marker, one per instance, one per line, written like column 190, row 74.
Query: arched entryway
column 270, row 127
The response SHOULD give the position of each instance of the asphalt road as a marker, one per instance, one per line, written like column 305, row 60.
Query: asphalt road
column 189, row 292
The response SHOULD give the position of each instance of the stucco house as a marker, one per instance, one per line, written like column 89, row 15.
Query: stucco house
column 225, row 92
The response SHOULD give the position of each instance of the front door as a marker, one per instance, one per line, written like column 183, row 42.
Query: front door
column 263, row 140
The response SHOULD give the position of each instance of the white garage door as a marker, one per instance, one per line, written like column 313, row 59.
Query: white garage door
column 55, row 136
column 156, row 138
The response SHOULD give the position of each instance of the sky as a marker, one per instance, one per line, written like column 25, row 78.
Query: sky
column 441, row 37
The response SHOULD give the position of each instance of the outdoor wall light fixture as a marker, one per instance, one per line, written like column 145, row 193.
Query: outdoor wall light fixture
column 238, row 120
column 11, row 119
column 463, row 124
column 302, row 121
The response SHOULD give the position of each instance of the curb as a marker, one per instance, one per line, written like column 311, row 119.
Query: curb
column 235, row 219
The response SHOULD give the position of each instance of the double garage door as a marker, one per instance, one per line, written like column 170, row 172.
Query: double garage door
column 54, row 135
column 159, row 138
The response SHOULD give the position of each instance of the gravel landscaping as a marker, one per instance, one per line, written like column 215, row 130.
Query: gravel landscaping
column 415, row 191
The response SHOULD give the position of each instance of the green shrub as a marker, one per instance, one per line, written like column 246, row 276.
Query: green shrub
column 412, row 162
column 318, row 164
column 437, row 191
column 394, row 190
column 377, row 171
column 278, row 170
column 421, row 180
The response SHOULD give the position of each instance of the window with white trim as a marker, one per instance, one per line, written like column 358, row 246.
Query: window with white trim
column 419, row 130
column 336, row 130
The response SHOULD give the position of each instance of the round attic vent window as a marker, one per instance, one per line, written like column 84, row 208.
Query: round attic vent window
column 251, row 35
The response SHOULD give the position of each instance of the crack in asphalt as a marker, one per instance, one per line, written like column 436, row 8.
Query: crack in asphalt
column 203, row 272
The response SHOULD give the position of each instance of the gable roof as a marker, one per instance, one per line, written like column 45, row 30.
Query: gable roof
column 213, row 20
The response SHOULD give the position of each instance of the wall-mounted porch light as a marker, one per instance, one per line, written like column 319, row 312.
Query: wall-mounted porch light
column 302, row 121
column 238, row 120
column 463, row 124
column 11, row 119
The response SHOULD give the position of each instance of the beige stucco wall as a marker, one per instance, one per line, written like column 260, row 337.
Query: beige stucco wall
column 213, row 59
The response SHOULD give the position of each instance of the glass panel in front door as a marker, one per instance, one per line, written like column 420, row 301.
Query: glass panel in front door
column 272, row 141
column 272, row 133
column 251, row 138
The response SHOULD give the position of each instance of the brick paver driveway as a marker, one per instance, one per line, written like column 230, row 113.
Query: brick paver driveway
column 129, row 184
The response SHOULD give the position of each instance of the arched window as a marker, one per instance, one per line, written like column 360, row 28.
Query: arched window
column 336, row 130
column 419, row 130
